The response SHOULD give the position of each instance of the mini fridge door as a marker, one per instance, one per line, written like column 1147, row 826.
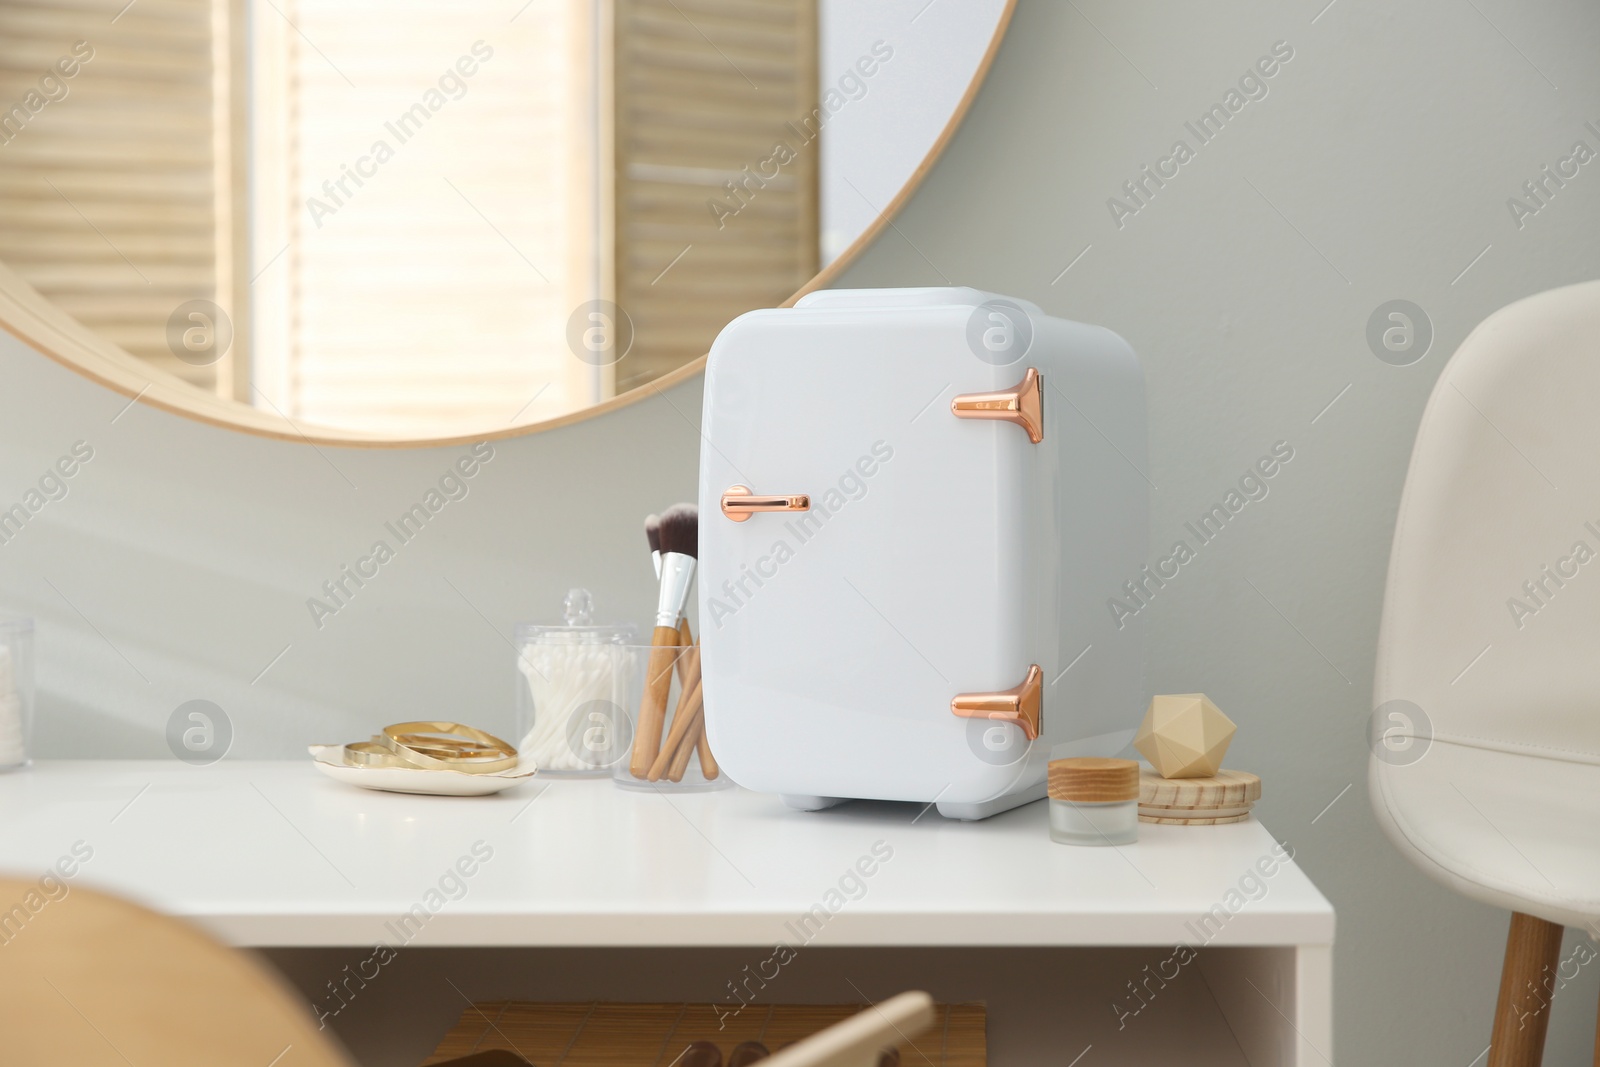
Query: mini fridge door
column 836, row 637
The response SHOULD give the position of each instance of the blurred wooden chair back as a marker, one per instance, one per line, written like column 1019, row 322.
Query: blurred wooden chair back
column 91, row 980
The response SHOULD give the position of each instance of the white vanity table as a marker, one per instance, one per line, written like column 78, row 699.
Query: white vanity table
column 594, row 893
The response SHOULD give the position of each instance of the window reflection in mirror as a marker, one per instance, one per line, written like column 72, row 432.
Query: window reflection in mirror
column 438, row 218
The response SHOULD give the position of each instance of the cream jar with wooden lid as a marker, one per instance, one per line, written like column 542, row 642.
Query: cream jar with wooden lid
column 1094, row 801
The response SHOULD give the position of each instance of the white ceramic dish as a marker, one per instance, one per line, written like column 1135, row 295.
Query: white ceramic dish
column 330, row 761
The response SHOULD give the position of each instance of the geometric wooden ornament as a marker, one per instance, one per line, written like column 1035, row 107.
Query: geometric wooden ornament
column 1184, row 736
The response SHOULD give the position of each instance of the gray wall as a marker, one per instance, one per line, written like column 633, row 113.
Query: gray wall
column 1377, row 167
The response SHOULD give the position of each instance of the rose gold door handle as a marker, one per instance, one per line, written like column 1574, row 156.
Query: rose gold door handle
column 1022, row 706
column 739, row 503
column 1022, row 404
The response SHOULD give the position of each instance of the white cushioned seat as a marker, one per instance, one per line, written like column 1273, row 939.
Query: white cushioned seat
column 1491, row 621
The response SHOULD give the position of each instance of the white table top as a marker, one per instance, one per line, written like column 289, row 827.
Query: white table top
column 273, row 854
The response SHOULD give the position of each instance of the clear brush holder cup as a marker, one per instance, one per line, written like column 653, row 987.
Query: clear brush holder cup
column 665, row 724
column 573, row 682
column 16, row 692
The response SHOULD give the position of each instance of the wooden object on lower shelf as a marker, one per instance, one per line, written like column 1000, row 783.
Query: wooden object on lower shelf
column 642, row 1035
column 1225, row 797
column 497, row 1057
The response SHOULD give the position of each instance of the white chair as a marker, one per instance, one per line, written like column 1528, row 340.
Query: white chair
column 1486, row 757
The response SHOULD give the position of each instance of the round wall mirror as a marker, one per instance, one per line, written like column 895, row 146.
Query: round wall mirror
column 444, row 220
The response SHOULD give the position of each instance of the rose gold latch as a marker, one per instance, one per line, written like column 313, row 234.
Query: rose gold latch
column 1022, row 404
column 1022, row 706
column 739, row 503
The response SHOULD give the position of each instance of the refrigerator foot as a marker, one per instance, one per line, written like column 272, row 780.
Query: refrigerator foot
column 807, row 803
column 985, row 808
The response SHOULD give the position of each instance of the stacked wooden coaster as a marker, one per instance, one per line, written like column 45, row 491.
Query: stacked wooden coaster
column 1224, row 797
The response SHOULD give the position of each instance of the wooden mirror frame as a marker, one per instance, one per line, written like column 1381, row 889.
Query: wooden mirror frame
column 34, row 320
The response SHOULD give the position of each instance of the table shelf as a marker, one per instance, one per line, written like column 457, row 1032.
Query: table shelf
column 273, row 855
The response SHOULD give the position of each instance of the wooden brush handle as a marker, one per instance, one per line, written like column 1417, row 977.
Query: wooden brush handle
column 653, row 706
column 708, row 762
column 689, row 672
column 688, row 687
column 685, row 640
column 680, row 758
column 683, row 721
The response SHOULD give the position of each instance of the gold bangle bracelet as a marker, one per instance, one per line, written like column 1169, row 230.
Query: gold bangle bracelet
column 374, row 754
column 490, row 753
column 438, row 746
column 380, row 753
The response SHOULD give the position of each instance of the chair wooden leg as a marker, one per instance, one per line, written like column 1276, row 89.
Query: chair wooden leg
column 1533, row 949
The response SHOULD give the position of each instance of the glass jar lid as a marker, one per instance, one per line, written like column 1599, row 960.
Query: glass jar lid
column 578, row 627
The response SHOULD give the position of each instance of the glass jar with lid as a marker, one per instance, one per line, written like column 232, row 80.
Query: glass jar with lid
column 572, row 686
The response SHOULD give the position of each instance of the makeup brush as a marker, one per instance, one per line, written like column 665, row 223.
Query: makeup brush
column 686, row 717
column 680, row 759
column 652, row 533
column 680, row 546
column 680, row 740
column 689, row 657
column 709, row 768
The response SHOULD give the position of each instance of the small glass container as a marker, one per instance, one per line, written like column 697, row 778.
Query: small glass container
column 572, row 686
column 673, row 756
column 1094, row 801
column 16, row 692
